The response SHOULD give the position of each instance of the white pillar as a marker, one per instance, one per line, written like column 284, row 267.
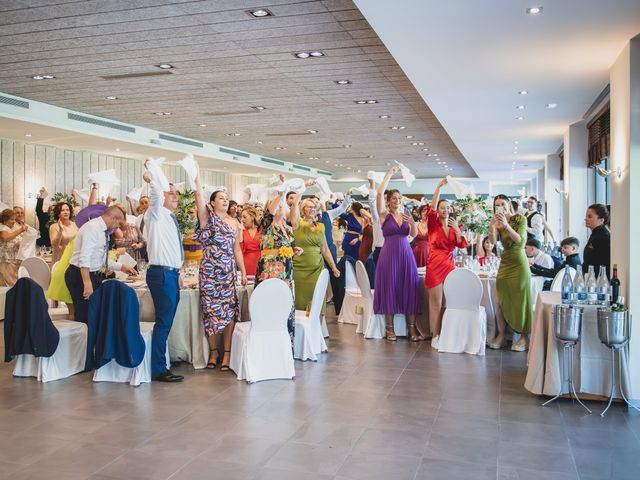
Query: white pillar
column 553, row 199
column 576, row 182
column 625, row 191
column 541, row 194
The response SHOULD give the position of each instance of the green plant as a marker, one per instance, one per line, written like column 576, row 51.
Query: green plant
column 475, row 215
column 60, row 197
column 185, row 212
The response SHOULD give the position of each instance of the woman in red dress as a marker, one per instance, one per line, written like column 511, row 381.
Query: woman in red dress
column 250, row 243
column 421, row 242
column 444, row 236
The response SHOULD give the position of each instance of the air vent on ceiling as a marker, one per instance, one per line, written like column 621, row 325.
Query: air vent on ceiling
column 234, row 152
column 341, row 147
column 238, row 112
column 300, row 167
column 184, row 141
column 288, row 134
column 101, row 123
column 270, row 160
column 322, row 172
column 126, row 76
column 14, row 101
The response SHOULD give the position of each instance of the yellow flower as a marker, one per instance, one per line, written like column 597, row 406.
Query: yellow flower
column 286, row 251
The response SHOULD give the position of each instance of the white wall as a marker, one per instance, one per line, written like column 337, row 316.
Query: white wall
column 554, row 200
column 576, row 182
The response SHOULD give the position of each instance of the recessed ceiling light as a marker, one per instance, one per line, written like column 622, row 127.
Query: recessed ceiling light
column 363, row 102
column 516, row 142
column 299, row 153
column 415, row 144
column 280, row 148
column 409, row 136
column 523, row 92
column 259, row 142
column 335, row 164
column 359, row 171
column 519, row 118
column 165, row 66
column 260, row 13
column 342, row 82
column 520, row 107
column 43, row 77
column 347, row 146
column 162, row 114
column 551, row 106
column 117, row 149
column 420, row 144
column 259, row 108
column 425, row 149
column 48, row 77
column 341, row 165
column 326, row 161
column 534, row 10
column 371, row 156
column 27, row 135
column 235, row 134
column 312, row 132
column 202, row 125
column 384, row 116
column 301, row 55
column 316, row 54
column 111, row 97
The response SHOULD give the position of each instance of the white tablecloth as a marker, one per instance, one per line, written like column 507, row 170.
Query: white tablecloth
column 3, row 294
column 592, row 361
column 187, row 341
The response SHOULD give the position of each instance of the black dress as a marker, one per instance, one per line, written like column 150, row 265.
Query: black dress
column 598, row 250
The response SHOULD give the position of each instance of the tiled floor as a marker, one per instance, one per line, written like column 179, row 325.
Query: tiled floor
column 366, row 410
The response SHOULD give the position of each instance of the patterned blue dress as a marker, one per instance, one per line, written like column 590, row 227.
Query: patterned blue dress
column 218, row 298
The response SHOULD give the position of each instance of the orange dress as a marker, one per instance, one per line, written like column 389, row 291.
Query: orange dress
column 250, row 251
column 441, row 249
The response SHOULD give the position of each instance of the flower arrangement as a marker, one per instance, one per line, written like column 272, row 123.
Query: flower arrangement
column 475, row 215
column 60, row 197
column 185, row 212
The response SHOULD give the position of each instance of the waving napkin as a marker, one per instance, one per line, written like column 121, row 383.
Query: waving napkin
column 83, row 194
column 154, row 165
column 179, row 186
column 107, row 179
column 325, row 191
column 377, row 177
column 460, row 189
column 28, row 243
column 207, row 190
column 191, row 168
column 407, row 176
column 253, row 190
column 292, row 185
column 135, row 194
column 362, row 189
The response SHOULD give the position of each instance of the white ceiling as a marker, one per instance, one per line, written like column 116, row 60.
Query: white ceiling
column 226, row 62
column 468, row 59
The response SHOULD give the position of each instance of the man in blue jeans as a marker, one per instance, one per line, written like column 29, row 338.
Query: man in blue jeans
column 164, row 248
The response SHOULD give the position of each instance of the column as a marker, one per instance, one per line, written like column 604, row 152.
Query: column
column 553, row 199
column 576, row 181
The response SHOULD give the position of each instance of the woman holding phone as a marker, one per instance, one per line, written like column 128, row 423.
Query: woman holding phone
column 514, row 276
column 444, row 236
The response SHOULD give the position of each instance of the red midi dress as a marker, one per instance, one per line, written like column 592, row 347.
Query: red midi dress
column 441, row 247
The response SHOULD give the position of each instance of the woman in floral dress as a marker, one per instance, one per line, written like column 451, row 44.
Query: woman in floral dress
column 277, row 246
column 217, row 276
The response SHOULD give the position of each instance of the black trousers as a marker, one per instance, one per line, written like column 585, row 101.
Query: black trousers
column 73, row 279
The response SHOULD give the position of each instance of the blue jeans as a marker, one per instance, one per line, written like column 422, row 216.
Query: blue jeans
column 165, row 291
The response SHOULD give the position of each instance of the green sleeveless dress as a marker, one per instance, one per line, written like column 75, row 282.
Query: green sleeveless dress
column 308, row 266
column 514, row 279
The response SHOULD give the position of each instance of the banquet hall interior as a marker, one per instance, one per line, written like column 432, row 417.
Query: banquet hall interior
column 467, row 314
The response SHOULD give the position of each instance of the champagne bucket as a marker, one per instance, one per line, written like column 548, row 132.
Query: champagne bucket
column 614, row 328
column 567, row 320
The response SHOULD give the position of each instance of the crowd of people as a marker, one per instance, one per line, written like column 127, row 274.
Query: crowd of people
column 293, row 238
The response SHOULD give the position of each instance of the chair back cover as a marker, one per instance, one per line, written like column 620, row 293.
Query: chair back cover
column 556, row 285
column 270, row 305
column 319, row 294
column 463, row 290
column 363, row 280
column 23, row 272
column 350, row 282
column 38, row 271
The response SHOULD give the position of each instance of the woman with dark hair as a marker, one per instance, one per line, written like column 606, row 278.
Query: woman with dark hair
column 353, row 236
column 397, row 282
column 514, row 276
column 444, row 236
column 366, row 247
column 63, row 230
column 232, row 214
column 484, row 249
column 421, row 242
column 221, row 258
column 597, row 251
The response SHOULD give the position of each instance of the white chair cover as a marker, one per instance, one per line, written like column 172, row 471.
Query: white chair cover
column 38, row 270
column 308, row 340
column 112, row 372
column 68, row 359
column 23, row 272
column 376, row 327
column 464, row 323
column 366, row 297
column 352, row 297
column 261, row 348
column 556, row 285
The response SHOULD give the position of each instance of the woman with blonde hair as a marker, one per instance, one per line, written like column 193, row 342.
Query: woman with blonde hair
column 250, row 239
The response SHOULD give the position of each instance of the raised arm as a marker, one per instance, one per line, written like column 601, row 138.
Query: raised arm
column 156, row 198
column 93, row 196
column 237, row 254
column 294, row 214
column 380, row 203
column 340, row 209
column 436, row 194
column 273, row 203
column 201, row 203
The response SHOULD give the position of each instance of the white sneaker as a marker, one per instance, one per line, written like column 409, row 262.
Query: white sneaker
column 519, row 347
column 435, row 342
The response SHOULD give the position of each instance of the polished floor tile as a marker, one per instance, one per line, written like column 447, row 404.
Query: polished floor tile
column 366, row 410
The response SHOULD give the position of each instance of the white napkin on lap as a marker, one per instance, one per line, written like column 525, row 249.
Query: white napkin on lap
column 407, row 176
column 191, row 168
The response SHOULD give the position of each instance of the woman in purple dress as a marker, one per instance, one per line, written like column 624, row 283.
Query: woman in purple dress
column 217, row 277
column 397, row 281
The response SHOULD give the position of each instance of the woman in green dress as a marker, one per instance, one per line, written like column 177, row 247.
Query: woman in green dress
column 514, row 277
column 309, row 235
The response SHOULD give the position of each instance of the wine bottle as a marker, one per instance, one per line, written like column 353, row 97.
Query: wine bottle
column 615, row 284
column 567, row 286
column 579, row 289
column 602, row 286
column 590, row 283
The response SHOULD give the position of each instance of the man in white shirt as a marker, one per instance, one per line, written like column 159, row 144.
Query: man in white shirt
column 535, row 220
column 536, row 256
column 90, row 260
column 166, row 255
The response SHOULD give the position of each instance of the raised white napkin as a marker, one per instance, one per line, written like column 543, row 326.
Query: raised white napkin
column 154, row 165
column 252, row 191
column 28, row 243
column 106, row 179
column 377, row 177
column 407, row 176
column 135, row 194
column 191, row 168
column 83, row 194
column 460, row 189
column 325, row 191
column 362, row 189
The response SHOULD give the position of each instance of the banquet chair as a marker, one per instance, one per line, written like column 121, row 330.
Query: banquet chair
column 464, row 323
column 261, row 348
column 308, row 341
column 67, row 340
column 556, row 285
column 352, row 297
column 366, row 298
column 38, row 271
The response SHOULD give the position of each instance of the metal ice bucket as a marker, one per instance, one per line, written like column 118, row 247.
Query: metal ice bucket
column 567, row 320
column 614, row 328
